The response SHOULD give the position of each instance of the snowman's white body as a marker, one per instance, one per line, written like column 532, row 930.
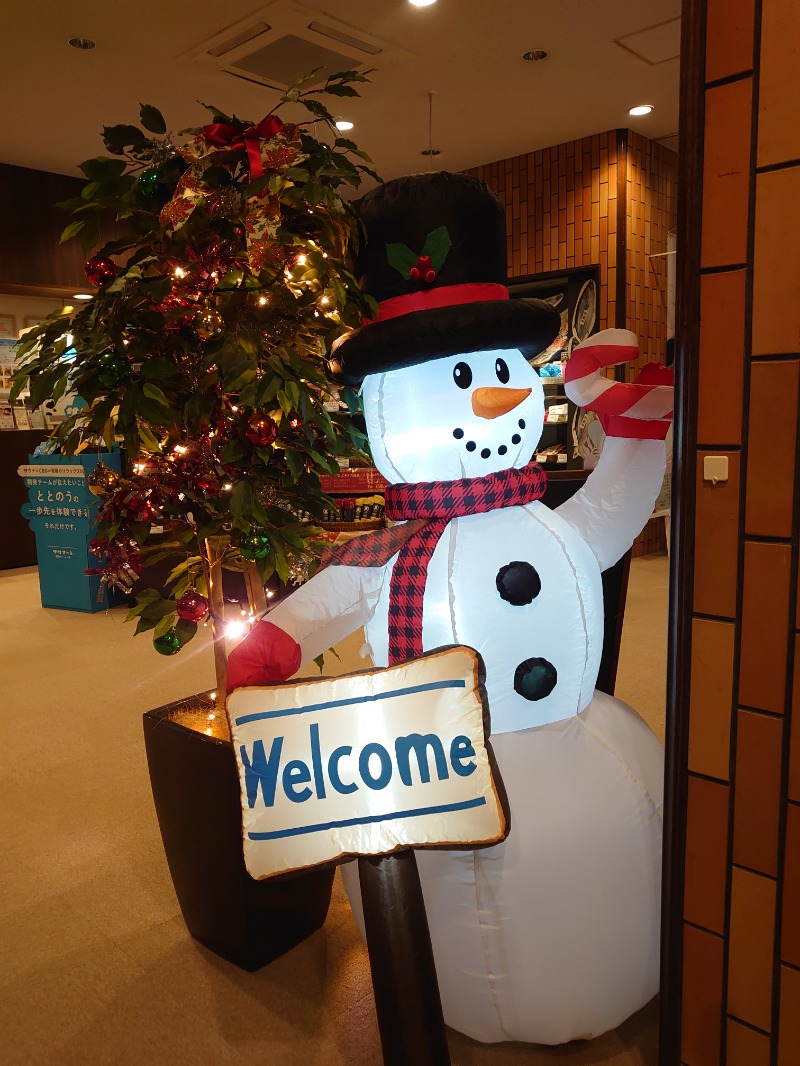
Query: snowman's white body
column 553, row 934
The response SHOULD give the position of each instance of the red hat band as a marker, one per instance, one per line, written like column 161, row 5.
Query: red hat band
column 445, row 296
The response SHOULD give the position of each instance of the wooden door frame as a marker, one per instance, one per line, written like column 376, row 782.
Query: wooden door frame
column 679, row 637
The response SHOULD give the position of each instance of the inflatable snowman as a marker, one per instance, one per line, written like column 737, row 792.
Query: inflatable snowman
column 553, row 934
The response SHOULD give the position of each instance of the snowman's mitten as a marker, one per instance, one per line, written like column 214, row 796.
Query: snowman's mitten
column 267, row 654
column 651, row 376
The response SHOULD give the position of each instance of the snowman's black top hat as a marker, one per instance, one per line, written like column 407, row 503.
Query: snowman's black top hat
column 435, row 260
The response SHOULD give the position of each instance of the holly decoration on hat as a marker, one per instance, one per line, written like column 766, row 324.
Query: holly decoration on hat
column 426, row 265
column 204, row 351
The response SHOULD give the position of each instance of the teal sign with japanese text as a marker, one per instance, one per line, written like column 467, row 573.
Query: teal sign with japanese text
column 61, row 512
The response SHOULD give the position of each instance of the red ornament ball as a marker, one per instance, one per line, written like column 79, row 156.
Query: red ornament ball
column 192, row 606
column 99, row 270
column 261, row 430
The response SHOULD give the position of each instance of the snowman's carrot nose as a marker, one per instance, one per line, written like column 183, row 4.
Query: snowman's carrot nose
column 489, row 403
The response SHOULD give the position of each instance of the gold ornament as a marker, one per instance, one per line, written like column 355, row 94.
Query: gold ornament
column 102, row 480
column 208, row 323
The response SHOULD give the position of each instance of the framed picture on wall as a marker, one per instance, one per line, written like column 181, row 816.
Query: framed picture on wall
column 8, row 327
column 31, row 320
column 570, row 436
column 574, row 293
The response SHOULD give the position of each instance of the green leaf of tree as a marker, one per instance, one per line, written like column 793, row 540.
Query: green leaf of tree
column 164, row 626
column 241, row 498
column 155, row 393
column 158, row 369
column 401, row 257
column 72, row 230
column 152, row 119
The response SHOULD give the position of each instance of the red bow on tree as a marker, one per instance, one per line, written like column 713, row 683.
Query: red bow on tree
column 223, row 135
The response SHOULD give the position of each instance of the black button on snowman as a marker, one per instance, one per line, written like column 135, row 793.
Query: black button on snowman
column 553, row 934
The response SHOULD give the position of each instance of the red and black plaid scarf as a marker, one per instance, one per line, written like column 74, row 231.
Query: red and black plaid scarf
column 427, row 507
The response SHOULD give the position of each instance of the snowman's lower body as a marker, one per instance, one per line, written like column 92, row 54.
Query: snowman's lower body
column 553, row 935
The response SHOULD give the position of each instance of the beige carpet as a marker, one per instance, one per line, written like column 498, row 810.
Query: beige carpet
column 96, row 965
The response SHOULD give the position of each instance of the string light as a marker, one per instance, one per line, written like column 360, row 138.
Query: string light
column 301, row 260
column 179, row 272
column 262, row 300
column 227, row 487
column 212, row 695
column 235, row 629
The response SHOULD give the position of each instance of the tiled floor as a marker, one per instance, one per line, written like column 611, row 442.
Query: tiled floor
column 96, row 965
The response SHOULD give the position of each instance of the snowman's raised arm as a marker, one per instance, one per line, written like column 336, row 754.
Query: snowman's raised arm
column 322, row 612
column 614, row 505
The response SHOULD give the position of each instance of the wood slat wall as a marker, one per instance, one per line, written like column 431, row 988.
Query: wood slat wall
column 651, row 212
column 561, row 210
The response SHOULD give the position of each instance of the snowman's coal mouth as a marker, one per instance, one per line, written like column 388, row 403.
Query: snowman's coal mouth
column 486, row 453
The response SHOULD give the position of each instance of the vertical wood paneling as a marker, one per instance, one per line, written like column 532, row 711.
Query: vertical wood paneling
column 747, row 364
column 562, row 211
column 652, row 208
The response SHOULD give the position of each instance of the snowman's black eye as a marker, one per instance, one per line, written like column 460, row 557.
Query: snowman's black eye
column 462, row 375
column 501, row 369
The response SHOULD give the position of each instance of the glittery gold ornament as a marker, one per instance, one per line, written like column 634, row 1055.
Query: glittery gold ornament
column 102, row 480
column 208, row 323
column 298, row 569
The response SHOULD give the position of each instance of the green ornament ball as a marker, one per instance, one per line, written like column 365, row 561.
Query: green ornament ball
column 148, row 181
column 112, row 369
column 168, row 643
column 255, row 545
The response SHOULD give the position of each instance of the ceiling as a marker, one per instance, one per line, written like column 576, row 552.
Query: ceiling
column 489, row 104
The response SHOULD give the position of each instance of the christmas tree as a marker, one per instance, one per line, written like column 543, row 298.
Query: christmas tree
column 204, row 351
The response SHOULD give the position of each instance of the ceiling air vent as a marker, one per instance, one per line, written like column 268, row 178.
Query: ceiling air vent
column 252, row 31
column 283, row 61
column 345, row 38
column 280, row 43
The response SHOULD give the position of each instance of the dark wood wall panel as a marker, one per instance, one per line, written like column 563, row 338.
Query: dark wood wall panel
column 31, row 225
column 734, row 797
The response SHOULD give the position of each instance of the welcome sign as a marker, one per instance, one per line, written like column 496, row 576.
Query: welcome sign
column 365, row 764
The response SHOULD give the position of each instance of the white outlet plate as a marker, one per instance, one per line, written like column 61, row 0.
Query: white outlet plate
column 715, row 468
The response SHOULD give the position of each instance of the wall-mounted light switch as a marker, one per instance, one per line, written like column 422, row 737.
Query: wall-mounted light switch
column 715, row 468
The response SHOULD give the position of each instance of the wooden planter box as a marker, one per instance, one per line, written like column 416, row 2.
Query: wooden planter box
column 196, row 792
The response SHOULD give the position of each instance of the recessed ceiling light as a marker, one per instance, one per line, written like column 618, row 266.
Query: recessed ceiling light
column 82, row 42
column 422, row 3
column 640, row 109
column 343, row 124
column 81, row 296
column 534, row 55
